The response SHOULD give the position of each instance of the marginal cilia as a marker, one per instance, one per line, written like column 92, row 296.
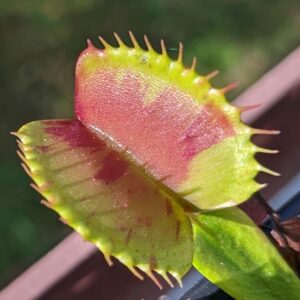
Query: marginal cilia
column 152, row 143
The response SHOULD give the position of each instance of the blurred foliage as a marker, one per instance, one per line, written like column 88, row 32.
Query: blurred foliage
column 40, row 41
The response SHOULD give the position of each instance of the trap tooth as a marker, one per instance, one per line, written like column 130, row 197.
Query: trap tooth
column 229, row 87
column 35, row 187
column 22, row 157
column 164, row 275
column 104, row 42
column 264, row 131
column 163, row 48
column 22, row 147
column 134, row 40
column 212, row 74
column 180, row 53
column 107, row 258
column 154, row 279
column 119, row 40
column 90, row 44
column 17, row 134
column 262, row 186
column 148, row 44
column 105, row 249
column 135, row 272
column 106, row 254
column 194, row 63
column 46, row 203
column 177, row 277
column 265, row 150
column 27, row 170
column 268, row 171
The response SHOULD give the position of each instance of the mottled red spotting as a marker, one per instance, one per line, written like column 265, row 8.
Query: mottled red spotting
column 91, row 215
column 113, row 167
column 177, row 230
column 74, row 133
column 165, row 134
column 169, row 209
column 43, row 148
column 128, row 236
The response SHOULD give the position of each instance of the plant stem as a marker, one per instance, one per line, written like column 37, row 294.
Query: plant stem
column 275, row 218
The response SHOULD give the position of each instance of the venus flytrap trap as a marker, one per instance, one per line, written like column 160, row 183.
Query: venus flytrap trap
column 152, row 168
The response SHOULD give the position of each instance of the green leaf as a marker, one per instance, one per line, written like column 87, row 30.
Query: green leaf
column 98, row 192
column 234, row 254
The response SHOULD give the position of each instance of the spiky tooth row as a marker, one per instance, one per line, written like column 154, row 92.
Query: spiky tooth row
column 146, row 268
column 192, row 80
column 198, row 79
column 177, row 66
column 41, row 189
column 164, row 53
column 151, row 50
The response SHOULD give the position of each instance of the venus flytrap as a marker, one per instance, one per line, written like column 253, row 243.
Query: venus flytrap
column 152, row 168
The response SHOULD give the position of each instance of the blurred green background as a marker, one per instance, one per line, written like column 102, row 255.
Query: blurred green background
column 39, row 44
